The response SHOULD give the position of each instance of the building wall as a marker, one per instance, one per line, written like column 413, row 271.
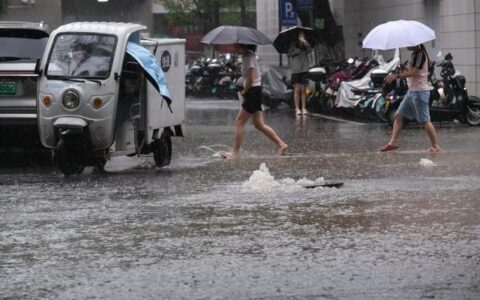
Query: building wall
column 454, row 22
column 58, row 12
column 35, row 11
column 460, row 36
column 135, row 11
column 267, row 22
column 338, row 7
column 476, row 20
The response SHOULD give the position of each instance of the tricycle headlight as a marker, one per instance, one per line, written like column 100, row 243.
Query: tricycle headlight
column 70, row 99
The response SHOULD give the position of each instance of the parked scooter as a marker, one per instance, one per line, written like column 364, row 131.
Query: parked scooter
column 227, row 78
column 200, row 78
column 207, row 77
column 392, row 101
column 353, row 71
column 101, row 94
column 375, row 101
column 449, row 99
column 319, row 77
column 372, row 99
column 341, row 73
column 194, row 79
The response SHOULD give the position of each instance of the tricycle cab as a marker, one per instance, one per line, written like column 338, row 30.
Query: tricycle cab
column 102, row 89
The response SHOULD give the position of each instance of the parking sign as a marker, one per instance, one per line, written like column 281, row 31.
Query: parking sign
column 288, row 16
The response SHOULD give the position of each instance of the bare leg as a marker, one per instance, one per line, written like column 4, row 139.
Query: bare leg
column 432, row 135
column 260, row 125
column 303, row 96
column 242, row 118
column 397, row 127
column 297, row 97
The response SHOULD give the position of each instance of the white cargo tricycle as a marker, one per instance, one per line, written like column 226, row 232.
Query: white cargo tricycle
column 102, row 92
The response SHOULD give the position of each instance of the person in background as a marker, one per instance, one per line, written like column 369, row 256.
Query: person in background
column 415, row 102
column 252, row 103
column 298, row 54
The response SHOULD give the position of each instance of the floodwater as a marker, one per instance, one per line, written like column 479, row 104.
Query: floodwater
column 405, row 225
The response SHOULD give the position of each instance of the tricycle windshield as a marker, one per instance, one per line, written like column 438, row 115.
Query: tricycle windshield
column 81, row 55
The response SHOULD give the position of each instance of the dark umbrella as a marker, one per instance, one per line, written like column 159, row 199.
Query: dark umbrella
column 288, row 36
column 235, row 34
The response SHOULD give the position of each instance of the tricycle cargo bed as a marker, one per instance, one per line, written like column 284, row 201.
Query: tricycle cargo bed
column 171, row 55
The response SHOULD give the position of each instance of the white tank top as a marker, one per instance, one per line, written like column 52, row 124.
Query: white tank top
column 249, row 61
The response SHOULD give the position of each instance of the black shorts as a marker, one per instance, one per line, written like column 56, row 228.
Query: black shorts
column 300, row 78
column 253, row 100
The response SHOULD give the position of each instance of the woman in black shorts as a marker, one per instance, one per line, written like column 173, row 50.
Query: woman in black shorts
column 252, row 103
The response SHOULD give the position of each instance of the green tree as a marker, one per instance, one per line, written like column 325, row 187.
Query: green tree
column 3, row 7
column 208, row 14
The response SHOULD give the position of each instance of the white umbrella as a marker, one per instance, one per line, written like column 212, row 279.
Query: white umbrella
column 398, row 34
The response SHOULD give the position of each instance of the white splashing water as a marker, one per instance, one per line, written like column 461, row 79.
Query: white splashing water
column 215, row 153
column 262, row 180
column 426, row 162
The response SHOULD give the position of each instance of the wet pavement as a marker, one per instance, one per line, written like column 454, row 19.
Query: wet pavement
column 205, row 228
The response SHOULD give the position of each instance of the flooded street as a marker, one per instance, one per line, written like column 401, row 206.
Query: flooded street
column 202, row 228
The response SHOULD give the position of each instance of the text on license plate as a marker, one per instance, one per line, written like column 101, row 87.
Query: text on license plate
column 8, row 87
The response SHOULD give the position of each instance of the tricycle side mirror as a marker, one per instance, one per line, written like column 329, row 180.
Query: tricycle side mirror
column 37, row 67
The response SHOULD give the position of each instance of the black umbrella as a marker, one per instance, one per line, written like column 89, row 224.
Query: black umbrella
column 235, row 34
column 288, row 36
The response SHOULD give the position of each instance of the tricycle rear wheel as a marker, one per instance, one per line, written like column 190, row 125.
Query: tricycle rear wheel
column 162, row 152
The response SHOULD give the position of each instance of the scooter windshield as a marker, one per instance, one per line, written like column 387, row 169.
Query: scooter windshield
column 81, row 55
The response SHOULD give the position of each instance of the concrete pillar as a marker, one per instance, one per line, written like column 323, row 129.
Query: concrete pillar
column 459, row 37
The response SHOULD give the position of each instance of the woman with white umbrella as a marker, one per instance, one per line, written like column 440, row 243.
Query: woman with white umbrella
column 415, row 102
column 410, row 34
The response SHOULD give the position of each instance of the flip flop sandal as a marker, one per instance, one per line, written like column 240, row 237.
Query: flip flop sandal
column 388, row 147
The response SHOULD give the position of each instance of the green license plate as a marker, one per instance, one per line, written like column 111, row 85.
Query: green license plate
column 8, row 88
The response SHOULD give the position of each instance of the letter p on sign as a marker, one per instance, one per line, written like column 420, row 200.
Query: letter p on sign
column 288, row 16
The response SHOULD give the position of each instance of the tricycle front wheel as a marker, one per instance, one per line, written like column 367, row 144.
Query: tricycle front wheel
column 67, row 158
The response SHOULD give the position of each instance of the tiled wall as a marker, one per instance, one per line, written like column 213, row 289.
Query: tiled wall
column 459, row 33
column 43, row 10
column 267, row 22
column 477, row 46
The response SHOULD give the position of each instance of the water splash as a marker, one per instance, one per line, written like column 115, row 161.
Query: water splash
column 211, row 148
column 262, row 180
column 424, row 162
